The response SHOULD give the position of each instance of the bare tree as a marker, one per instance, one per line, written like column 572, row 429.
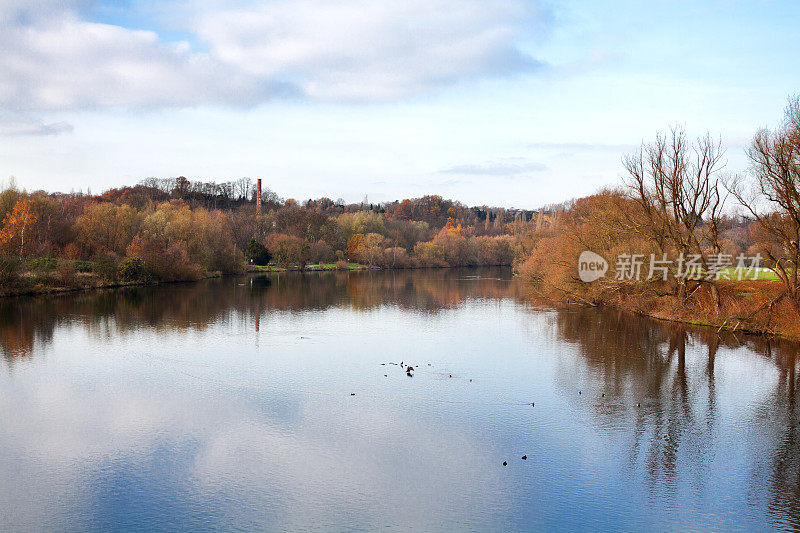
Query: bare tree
column 773, row 200
column 675, row 183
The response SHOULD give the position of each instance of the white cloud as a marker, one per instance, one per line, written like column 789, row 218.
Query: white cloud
column 512, row 166
column 23, row 125
column 368, row 49
column 582, row 147
column 55, row 59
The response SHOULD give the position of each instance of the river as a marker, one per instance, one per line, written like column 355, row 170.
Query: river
column 278, row 403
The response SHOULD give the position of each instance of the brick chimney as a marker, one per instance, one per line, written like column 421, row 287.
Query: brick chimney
column 258, row 198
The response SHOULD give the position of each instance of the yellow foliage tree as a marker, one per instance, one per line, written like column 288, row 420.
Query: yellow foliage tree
column 15, row 225
column 453, row 228
column 353, row 244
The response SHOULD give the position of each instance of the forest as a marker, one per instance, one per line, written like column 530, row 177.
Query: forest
column 178, row 229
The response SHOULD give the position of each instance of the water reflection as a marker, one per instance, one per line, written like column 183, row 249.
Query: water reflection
column 27, row 321
column 226, row 404
column 675, row 401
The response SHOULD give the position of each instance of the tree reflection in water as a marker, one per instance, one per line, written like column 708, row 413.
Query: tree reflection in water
column 26, row 321
column 674, row 400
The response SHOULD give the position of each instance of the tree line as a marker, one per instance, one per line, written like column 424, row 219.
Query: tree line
column 178, row 229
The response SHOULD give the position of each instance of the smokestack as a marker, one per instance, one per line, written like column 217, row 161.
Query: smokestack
column 258, row 198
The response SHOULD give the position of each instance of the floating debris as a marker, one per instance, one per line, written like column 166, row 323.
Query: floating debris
column 352, row 394
column 505, row 463
column 524, row 457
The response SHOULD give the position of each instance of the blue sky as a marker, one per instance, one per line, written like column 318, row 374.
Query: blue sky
column 501, row 102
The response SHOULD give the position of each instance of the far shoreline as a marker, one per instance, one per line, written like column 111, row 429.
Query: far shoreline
column 250, row 270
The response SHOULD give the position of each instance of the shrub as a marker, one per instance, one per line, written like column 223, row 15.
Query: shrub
column 105, row 266
column 9, row 271
column 71, row 251
column 170, row 263
column 43, row 264
column 65, row 275
column 341, row 265
column 83, row 266
column 132, row 269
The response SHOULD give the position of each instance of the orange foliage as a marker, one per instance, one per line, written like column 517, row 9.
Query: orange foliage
column 453, row 229
column 353, row 244
column 15, row 225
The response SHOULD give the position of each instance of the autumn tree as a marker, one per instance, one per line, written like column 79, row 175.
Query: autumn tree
column 164, row 261
column 16, row 226
column 9, row 196
column 320, row 252
column 361, row 222
column 177, row 242
column 107, row 227
column 495, row 250
column 407, row 233
column 288, row 250
column 676, row 186
column 370, row 251
column 354, row 243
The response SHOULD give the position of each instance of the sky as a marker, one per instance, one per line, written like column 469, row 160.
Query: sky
column 515, row 103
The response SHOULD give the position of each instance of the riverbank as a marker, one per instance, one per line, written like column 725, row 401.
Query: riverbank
column 31, row 283
column 37, row 286
column 341, row 266
column 59, row 278
column 751, row 307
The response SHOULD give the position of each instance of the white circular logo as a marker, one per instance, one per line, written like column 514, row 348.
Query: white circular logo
column 591, row 266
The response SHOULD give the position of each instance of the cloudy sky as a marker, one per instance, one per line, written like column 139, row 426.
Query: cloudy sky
column 502, row 102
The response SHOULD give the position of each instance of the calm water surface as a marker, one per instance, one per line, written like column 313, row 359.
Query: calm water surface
column 229, row 404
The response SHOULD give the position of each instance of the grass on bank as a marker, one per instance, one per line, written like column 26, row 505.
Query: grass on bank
column 747, row 274
column 339, row 265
